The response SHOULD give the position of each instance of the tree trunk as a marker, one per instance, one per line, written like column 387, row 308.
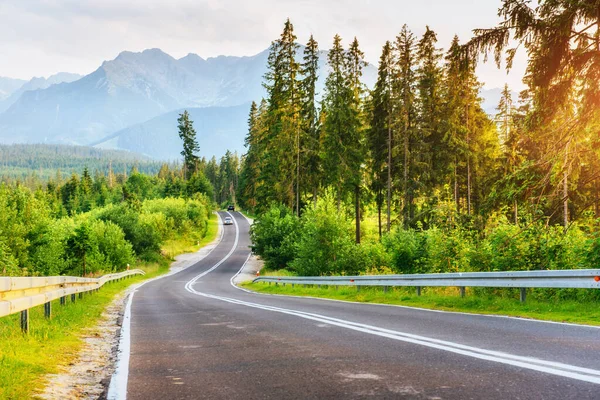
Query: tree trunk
column 389, row 180
column 379, row 216
column 469, row 184
column 407, row 197
column 565, row 198
column 516, row 208
column 357, row 212
column 456, row 199
column 297, row 172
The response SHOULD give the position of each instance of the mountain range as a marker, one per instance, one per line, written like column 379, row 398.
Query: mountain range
column 132, row 103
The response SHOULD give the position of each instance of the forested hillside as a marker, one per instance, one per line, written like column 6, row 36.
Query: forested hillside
column 428, row 181
column 19, row 161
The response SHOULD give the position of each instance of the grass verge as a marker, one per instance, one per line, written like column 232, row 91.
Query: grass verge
column 448, row 299
column 25, row 360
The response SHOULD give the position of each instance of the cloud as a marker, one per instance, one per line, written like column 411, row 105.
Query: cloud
column 41, row 37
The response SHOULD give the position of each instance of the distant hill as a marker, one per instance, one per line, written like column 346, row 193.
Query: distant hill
column 18, row 161
column 8, row 86
column 135, row 88
column 218, row 129
column 35, row 84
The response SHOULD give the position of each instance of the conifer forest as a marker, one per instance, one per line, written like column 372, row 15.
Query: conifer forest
column 413, row 175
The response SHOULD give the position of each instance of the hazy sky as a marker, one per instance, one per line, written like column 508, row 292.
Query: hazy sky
column 42, row 37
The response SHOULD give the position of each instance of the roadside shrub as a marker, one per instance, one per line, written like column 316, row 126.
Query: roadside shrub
column 447, row 251
column 48, row 250
column 406, row 250
column 144, row 239
column 325, row 246
column 274, row 237
column 114, row 251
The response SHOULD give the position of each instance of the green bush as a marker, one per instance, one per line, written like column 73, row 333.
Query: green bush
column 406, row 249
column 116, row 252
column 274, row 237
column 325, row 245
column 145, row 240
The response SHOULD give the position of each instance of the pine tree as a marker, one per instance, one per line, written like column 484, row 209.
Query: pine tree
column 429, row 137
column 380, row 134
column 504, row 117
column 250, row 175
column 283, row 119
column 355, row 150
column 310, row 117
column 406, row 113
column 335, row 103
column 190, row 144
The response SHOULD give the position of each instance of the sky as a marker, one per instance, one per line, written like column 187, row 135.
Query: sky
column 43, row 37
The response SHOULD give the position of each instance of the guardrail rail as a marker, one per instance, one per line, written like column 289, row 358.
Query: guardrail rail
column 562, row 279
column 19, row 294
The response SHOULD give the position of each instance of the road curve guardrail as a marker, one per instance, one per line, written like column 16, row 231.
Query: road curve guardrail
column 563, row 279
column 19, row 294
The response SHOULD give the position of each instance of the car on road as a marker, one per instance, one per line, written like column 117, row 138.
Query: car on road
column 230, row 208
column 228, row 221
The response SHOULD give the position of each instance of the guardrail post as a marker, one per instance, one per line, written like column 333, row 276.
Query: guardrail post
column 80, row 295
column 357, row 288
column 292, row 285
column 523, row 295
column 73, row 298
column 25, row 321
column 48, row 310
column 418, row 290
column 63, row 300
column 385, row 289
column 462, row 291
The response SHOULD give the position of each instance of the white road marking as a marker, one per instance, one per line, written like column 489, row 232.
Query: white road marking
column 549, row 367
column 117, row 389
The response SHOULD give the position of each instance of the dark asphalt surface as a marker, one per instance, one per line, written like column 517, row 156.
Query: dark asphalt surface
column 186, row 345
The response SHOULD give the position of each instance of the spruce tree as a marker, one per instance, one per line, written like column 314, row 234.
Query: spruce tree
column 190, row 144
column 335, row 103
column 283, row 120
column 355, row 150
column 380, row 134
column 310, row 117
column 406, row 113
column 429, row 137
column 250, row 174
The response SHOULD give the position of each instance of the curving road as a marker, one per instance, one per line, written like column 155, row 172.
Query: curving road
column 194, row 336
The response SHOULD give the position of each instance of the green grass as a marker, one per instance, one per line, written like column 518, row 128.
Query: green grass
column 25, row 360
column 448, row 299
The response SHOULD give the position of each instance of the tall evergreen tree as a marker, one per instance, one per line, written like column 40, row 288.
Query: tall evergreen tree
column 310, row 117
column 380, row 134
column 336, row 99
column 355, row 135
column 429, row 137
column 250, row 174
column 190, row 144
column 283, row 120
column 406, row 113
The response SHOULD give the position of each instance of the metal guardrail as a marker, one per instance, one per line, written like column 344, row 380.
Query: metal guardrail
column 563, row 279
column 19, row 294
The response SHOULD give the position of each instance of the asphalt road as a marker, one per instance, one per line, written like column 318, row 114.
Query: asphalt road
column 195, row 336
